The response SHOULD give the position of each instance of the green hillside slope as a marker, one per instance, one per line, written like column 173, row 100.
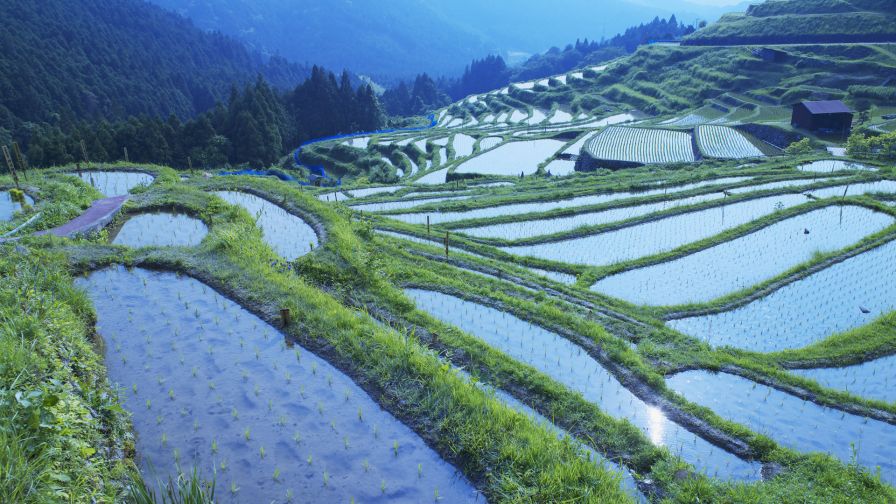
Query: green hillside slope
column 803, row 21
column 63, row 62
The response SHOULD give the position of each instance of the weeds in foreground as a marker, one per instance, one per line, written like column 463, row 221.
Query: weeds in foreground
column 182, row 490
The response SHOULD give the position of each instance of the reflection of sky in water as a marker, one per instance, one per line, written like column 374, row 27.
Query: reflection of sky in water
column 288, row 235
column 111, row 184
column 791, row 421
column 206, row 372
column 567, row 363
column 808, row 310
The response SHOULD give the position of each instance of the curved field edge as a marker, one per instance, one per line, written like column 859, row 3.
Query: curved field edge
column 504, row 453
column 64, row 434
column 347, row 263
column 529, row 387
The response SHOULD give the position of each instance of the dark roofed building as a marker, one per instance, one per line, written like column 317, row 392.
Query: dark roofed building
column 771, row 55
column 831, row 116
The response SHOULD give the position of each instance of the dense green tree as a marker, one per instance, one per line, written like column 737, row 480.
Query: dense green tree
column 255, row 127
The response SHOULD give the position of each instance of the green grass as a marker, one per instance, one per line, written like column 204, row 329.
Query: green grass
column 60, row 423
column 503, row 453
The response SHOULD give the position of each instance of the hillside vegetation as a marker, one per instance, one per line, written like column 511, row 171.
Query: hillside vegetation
column 63, row 62
column 803, row 21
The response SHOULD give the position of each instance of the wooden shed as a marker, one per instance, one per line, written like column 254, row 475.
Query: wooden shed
column 831, row 116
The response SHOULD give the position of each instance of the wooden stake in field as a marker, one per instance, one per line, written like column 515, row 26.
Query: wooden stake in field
column 285, row 317
column 126, row 160
column 190, row 163
column 428, row 234
column 12, row 168
column 446, row 243
column 84, row 153
column 20, row 159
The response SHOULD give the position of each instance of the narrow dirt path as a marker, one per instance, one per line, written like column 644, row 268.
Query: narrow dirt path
column 98, row 215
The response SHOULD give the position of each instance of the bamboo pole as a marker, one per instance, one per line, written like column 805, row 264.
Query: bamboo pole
column 23, row 165
column 84, row 153
column 12, row 168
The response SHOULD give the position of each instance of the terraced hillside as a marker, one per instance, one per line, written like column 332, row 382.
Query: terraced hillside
column 803, row 21
column 734, row 104
column 707, row 313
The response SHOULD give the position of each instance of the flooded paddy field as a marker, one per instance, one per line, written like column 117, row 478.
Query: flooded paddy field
column 545, row 206
column 791, row 421
column 875, row 379
column 288, row 235
column 570, row 365
column 841, row 297
column 160, row 229
column 115, row 183
column 745, row 261
column 8, row 207
column 666, row 234
column 211, row 386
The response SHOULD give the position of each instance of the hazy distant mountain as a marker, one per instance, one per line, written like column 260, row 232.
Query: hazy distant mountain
column 405, row 37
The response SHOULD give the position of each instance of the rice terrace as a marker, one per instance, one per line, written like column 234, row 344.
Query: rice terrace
column 657, row 268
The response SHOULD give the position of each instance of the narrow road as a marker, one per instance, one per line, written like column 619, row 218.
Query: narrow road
column 94, row 218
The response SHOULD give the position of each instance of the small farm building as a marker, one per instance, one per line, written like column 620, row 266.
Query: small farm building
column 771, row 55
column 831, row 116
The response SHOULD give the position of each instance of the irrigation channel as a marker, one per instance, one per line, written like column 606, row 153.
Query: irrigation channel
column 655, row 237
column 289, row 236
column 745, row 261
column 8, row 207
column 212, row 386
column 793, row 422
column 849, row 294
column 115, row 183
column 567, row 363
column 160, row 229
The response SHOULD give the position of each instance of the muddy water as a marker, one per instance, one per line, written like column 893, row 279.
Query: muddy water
column 8, row 207
column 288, row 235
column 212, row 386
column 574, row 368
column 112, row 183
column 161, row 230
column 793, row 422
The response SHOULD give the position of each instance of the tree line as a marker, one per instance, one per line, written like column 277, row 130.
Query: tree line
column 255, row 126
column 492, row 72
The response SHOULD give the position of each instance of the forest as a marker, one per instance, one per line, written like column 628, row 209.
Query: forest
column 492, row 72
column 256, row 126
